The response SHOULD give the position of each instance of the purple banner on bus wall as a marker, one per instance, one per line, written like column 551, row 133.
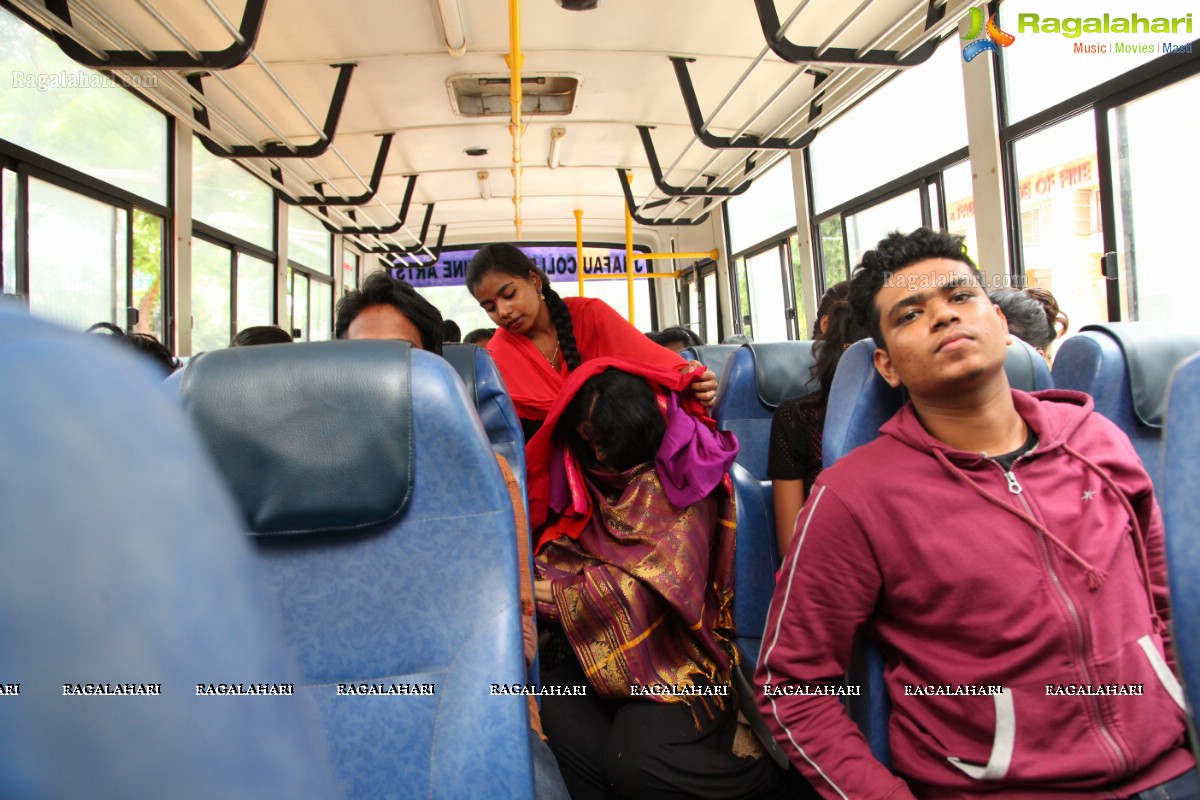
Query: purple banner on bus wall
column 560, row 263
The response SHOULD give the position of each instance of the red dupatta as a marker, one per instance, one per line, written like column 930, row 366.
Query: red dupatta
column 524, row 366
column 690, row 442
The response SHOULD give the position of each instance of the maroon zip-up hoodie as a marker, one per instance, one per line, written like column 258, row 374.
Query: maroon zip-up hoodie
column 1022, row 615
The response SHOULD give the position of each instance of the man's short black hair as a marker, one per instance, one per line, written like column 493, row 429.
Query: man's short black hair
column 381, row 289
column 893, row 253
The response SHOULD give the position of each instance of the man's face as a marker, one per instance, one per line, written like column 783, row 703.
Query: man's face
column 384, row 322
column 943, row 333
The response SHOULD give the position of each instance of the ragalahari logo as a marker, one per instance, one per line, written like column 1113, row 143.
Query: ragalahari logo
column 995, row 36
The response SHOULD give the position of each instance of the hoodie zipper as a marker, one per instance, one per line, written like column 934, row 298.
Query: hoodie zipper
column 1015, row 488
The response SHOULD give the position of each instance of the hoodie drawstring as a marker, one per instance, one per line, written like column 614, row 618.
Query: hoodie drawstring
column 1139, row 539
column 1095, row 575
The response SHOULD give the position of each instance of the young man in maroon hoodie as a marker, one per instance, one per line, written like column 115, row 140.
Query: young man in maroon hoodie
column 1006, row 553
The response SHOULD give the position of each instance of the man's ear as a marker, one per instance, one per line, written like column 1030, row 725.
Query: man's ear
column 1008, row 337
column 883, row 365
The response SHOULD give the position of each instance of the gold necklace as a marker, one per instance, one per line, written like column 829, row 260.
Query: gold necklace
column 550, row 358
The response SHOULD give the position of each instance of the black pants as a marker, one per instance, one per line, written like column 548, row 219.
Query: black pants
column 643, row 749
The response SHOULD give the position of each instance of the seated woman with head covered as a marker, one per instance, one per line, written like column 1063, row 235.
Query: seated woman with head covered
column 635, row 560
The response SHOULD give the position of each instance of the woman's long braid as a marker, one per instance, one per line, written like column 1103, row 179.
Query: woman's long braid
column 561, row 318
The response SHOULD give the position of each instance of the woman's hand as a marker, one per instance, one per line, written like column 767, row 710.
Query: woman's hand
column 542, row 591
column 704, row 389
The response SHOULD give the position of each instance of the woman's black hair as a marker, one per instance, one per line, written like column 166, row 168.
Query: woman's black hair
column 621, row 415
column 512, row 261
column 839, row 291
column 842, row 331
column 145, row 343
column 1033, row 314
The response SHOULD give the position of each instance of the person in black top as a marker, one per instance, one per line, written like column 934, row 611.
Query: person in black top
column 794, row 455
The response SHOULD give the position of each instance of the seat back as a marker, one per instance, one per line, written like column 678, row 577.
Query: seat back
column 1180, row 496
column 1125, row 367
column 124, row 562
column 758, row 377
column 860, row 401
column 714, row 356
column 486, row 389
column 386, row 533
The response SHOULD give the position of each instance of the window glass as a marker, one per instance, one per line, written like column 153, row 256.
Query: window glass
column 1156, row 168
column 77, row 116
column 797, row 285
column 230, row 199
column 255, row 292
column 768, row 207
column 711, row 315
column 865, row 228
column 833, row 252
column 1061, row 241
column 211, row 267
column 1073, row 58
column 913, row 119
column 148, row 273
column 350, row 264
column 693, row 298
column 767, row 299
column 743, row 296
column 960, row 205
column 8, row 231
column 320, row 310
column 615, row 293
column 300, row 305
column 308, row 241
column 85, row 282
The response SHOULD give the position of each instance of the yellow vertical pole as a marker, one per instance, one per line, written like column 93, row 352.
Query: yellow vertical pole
column 516, row 61
column 579, row 248
column 629, row 252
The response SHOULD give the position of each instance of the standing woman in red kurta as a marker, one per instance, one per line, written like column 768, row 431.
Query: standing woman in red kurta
column 542, row 337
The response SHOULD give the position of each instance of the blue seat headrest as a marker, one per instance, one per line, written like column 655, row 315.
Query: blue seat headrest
column 713, row 356
column 783, row 370
column 350, row 469
column 1151, row 352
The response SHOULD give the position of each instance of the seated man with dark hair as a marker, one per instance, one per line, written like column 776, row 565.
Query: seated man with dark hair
column 1005, row 552
column 386, row 308
column 677, row 338
column 261, row 334
column 480, row 336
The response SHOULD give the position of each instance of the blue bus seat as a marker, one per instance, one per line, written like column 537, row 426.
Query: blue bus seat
column 757, row 379
column 486, row 389
column 124, row 562
column 1125, row 366
column 1180, row 496
column 860, row 401
column 386, row 533
column 714, row 356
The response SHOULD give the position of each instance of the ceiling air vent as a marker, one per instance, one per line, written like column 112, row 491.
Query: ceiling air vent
column 487, row 95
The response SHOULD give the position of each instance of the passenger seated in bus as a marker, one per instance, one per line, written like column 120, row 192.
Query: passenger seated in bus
column 677, row 338
column 261, row 334
column 542, row 337
column 145, row 343
column 635, row 560
column 386, row 308
column 737, row 338
column 451, row 333
column 1033, row 316
column 480, row 337
column 794, row 453
column 1005, row 552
